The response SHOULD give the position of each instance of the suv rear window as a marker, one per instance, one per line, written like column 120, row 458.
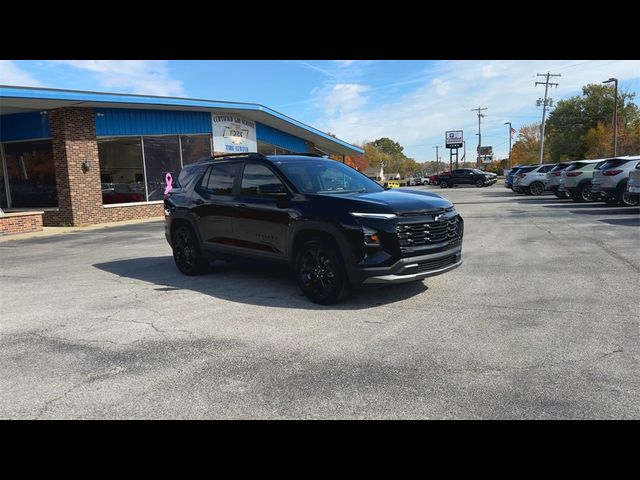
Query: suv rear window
column 613, row 163
column 219, row 179
column 527, row 169
column 559, row 167
column 576, row 166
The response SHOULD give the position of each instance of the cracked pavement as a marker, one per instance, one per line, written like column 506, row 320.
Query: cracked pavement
column 540, row 322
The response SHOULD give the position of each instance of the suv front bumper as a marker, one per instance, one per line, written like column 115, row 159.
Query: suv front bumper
column 411, row 268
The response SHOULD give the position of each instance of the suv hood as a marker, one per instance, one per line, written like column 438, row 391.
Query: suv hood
column 398, row 201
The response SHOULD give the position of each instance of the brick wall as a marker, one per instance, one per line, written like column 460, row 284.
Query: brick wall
column 13, row 223
column 80, row 192
column 73, row 132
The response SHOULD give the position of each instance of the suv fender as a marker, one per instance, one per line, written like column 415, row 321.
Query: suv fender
column 181, row 220
column 306, row 229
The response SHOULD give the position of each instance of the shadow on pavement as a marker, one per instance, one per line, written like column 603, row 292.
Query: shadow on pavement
column 608, row 211
column 628, row 222
column 253, row 283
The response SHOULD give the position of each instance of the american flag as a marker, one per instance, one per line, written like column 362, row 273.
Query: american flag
column 513, row 132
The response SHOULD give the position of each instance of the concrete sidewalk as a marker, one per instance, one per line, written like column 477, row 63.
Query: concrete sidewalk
column 50, row 231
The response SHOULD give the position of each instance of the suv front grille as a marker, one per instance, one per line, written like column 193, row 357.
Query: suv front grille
column 428, row 233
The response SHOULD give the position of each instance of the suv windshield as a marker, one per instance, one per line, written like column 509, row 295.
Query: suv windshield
column 327, row 177
column 477, row 170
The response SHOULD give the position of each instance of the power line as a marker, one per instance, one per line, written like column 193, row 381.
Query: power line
column 480, row 115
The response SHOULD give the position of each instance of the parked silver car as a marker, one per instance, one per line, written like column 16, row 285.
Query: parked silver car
column 633, row 187
column 576, row 179
column 532, row 180
column 611, row 178
column 553, row 179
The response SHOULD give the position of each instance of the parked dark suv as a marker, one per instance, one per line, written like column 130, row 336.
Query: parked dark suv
column 338, row 228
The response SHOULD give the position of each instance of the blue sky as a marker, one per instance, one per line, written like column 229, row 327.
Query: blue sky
column 413, row 102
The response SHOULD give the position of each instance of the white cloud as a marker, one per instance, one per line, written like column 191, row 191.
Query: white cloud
column 150, row 77
column 444, row 99
column 344, row 63
column 11, row 74
column 345, row 98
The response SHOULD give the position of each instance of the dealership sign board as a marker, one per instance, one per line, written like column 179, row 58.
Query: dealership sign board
column 453, row 139
column 233, row 134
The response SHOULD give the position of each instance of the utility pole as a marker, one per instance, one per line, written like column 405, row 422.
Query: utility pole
column 437, row 164
column 615, row 116
column 544, row 105
column 480, row 115
column 510, row 136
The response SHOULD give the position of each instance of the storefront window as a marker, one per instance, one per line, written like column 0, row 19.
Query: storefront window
column 31, row 173
column 195, row 147
column 121, row 170
column 161, row 156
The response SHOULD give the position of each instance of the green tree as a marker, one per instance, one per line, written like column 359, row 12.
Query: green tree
column 388, row 146
column 568, row 126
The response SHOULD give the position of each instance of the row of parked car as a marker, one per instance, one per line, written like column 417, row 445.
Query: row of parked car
column 615, row 181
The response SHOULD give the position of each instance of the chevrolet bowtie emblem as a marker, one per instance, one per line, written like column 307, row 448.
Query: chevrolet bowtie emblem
column 436, row 218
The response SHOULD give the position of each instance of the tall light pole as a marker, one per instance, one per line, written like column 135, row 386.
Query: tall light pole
column 510, row 129
column 615, row 115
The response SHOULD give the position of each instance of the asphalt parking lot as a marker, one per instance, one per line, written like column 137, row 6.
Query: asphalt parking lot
column 540, row 322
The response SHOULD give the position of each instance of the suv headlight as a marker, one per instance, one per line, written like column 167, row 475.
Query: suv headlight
column 373, row 215
column 371, row 237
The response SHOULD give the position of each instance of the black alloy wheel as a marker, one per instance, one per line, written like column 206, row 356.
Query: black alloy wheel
column 625, row 198
column 536, row 188
column 479, row 183
column 443, row 184
column 320, row 273
column 584, row 193
column 186, row 252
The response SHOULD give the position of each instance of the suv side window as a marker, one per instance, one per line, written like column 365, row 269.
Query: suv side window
column 459, row 173
column 258, row 180
column 219, row 179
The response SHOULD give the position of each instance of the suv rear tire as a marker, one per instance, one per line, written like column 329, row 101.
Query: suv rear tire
column 583, row 193
column 443, row 184
column 623, row 197
column 186, row 252
column 536, row 188
column 320, row 272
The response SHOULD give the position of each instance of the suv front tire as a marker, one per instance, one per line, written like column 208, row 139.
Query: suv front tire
column 320, row 272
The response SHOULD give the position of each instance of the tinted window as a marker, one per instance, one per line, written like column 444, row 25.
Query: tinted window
column 545, row 168
column 259, row 180
column 121, row 170
column 613, row 164
column 220, row 178
column 32, row 176
column 559, row 167
column 526, row 169
column 313, row 175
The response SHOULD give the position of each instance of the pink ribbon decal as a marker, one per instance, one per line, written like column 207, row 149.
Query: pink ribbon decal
column 169, row 179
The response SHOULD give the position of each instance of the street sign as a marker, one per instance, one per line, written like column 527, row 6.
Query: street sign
column 453, row 139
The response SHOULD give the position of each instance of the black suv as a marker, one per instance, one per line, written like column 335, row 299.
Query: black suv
column 338, row 228
column 467, row 176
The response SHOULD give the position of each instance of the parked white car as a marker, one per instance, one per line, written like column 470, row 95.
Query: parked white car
column 633, row 187
column 532, row 179
column 576, row 179
column 553, row 179
column 611, row 179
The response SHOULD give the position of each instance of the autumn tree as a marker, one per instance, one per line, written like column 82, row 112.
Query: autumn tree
column 526, row 149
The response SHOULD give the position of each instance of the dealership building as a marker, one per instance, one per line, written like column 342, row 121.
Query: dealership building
column 76, row 158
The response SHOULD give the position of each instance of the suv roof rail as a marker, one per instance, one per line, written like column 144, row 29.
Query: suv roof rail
column 303, row 154
column 246, row 154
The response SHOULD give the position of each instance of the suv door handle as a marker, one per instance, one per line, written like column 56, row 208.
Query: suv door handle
column 198, row 201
